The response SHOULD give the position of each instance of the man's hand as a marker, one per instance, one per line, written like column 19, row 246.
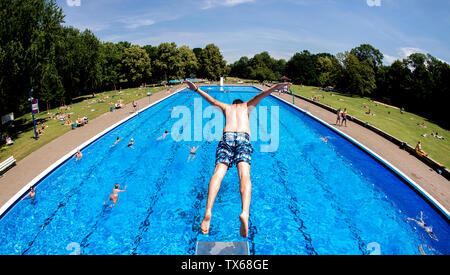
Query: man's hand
column 191, row 86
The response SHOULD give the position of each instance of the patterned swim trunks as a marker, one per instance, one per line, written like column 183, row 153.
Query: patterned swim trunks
column 233, row 148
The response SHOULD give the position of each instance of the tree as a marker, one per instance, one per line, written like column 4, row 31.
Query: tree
column 212, row 64
column 164, row 63
column 186, row 63
column 357, row 77
column 135, row 66
column 28, row 36
column 301, row 68
column 111, row 57
column 368, row 53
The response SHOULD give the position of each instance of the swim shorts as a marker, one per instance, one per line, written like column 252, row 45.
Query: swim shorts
column 233, row 148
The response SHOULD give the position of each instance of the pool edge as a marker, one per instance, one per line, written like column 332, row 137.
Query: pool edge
column 390, row 166
column 36, row 180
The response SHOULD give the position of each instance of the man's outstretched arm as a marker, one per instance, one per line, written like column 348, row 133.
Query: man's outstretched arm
column 206, row 96
column 255, row 101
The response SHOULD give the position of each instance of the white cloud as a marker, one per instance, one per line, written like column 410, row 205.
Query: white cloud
column 139, row 23
column 373, row 3
column 208, row 4
column 73, row 3
column 402, row 53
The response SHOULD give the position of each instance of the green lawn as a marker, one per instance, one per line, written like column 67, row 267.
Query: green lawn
column 404, row 126
column 23, row 132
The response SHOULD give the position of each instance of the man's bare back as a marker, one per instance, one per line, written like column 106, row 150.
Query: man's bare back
column 237, row 118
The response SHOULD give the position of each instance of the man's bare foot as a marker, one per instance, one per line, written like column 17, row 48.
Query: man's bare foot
column 244, row 224
column 205, row 223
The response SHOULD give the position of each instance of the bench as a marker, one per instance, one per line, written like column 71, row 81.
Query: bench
column 7, row 163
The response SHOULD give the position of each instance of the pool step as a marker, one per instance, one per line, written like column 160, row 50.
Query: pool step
column 222, row 248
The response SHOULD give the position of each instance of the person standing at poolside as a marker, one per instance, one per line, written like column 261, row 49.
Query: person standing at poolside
column 234, row 149
column 344, row 117
column 135, row 105
column 338, row 119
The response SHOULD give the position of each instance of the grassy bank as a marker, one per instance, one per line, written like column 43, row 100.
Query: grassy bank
column 86, row 106
column 406, row 126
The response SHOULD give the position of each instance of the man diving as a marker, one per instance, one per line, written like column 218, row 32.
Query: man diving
column 234, row 149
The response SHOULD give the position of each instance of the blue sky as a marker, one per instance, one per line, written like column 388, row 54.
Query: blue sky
column 281, row 27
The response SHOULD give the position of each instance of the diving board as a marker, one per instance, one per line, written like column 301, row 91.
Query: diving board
column 222, row 248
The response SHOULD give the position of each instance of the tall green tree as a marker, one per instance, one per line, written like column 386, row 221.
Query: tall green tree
column 136, row 68
column 368, row 53
column 187, row 63
column 29, row 31
column 212, row 64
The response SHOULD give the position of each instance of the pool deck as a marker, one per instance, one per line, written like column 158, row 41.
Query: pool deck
column 433, row 183
column 35, row 163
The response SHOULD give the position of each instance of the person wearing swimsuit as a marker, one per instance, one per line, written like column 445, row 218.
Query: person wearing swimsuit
column 115, row 195
column 427, row 228
column 192, row 152
column 234, row 149
column 32, row 194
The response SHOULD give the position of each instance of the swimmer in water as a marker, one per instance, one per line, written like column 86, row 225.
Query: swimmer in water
column 192, row 153
column 427, row 228
column 32, row 194
column 131, row 143
column 78, row 154
column 163, row 135
column 117, row 140
column 324, row 139
column 115, row 195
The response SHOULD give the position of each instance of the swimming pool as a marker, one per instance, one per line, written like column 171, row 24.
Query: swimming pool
column 308, row 197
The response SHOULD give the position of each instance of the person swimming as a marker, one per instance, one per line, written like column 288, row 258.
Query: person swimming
column 31, row 194
column 427, row 228
column 130, row 145
column 115, row 195
column 163, row 135
column 78, row 154
column 117, row 140
column 192, row 152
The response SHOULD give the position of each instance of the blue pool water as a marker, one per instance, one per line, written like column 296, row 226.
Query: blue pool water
column 308, row 196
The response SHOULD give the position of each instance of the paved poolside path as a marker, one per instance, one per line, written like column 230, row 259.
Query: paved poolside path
column 35, row 163
column 435, row 184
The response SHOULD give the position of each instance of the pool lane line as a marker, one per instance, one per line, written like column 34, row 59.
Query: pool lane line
column 160, row 182
column 320, row 177
column 386, row 163
column 39, row 178
column 84, row 243
column 61, row 204
column 197, row 205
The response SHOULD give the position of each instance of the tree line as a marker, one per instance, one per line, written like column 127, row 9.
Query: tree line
column 61, row 63
column 419, row 83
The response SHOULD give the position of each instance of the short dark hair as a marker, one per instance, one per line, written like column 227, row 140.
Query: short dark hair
column 238, row 101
